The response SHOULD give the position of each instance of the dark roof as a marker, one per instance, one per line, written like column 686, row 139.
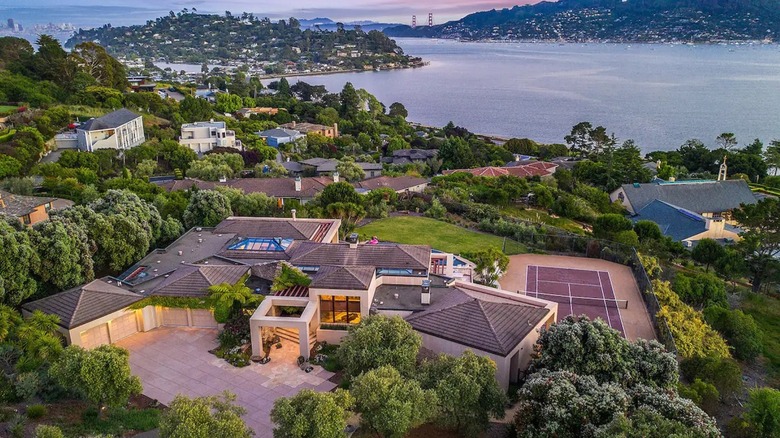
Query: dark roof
column 110, row 120
column 86, row 303
column 397, row 183
column 415, row 154
column 673, row 222
column 343, row 277
column 696, row 196
column 194, row 281
column 293, row 166
column 488, row 326
column 294, row 291
column 186, row 184
column 266, row 271
column 18, row 205
column 279, row 133
column 282, row 187
column 379, row 256
column 275, row 228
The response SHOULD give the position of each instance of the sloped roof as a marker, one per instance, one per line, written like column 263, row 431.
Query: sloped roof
column 186, row 184
column 279, row 133
column 86, row 303
column 194, row 281
column 282, row 187
column 300, row 229
column 673, row 221
column 18, row 205
column 518, row 169
column 343, row 277
column 481, row 171
column 396, row 183
column 488, row 326
column 696, row 196
column 378, row 256
column 109, row 121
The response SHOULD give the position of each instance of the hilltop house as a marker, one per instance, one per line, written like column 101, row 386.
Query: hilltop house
column 313, row 128
column 121, row 129
column 349, row 281
column 278, row 136
column 141, row 83
column 686, row 226
column 327, row 166
column 30, row 209
column 525, row 169
column 249, row 112
column 202, row 137
column 408, row 156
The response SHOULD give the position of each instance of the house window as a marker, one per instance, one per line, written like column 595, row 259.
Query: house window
column 47, row 206
column 26, row 219
column 339, row 309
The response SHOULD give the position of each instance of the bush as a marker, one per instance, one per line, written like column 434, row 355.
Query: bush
column 36, row 411
column 27, row 385
column 700, row 290
column 377, row 341
column 704, row 394
column 437, row 210
column 739, row 329
column 724, row 373
column 763, row 412
column 46, row 431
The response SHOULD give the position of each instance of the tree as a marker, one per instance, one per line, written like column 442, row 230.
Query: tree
column 607, row 226
column 270, row 169
column 377, row 341
column 739, row 329
column 760, row 242
column 390, row 404
column 204, row 417
column 349, row 214
column 772, row 155
column 350, row 170
column 228, row 103
column 311, row 414
column 468, row 392
column 436, row 210
column 726, row 140
column 647, row 231
column 95, row 61
column 193, row 109
column 214, row 167
column 207, row 208
column 18, row 259
column 283, row 88
column 342, row 192
column 350, row 102
column 592, row 348
column 398, row 109
column 102, row 374
column 145, row 169
column 9, row 166
column 64, row 252
column 707, row 252
column 491, row 264
column 700, row 289
column 763, row 412
column 229, row 299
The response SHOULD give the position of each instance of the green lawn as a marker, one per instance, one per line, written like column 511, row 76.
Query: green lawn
column 426, row 231
column 5, row 109
column 542, row 217
column 766, row 311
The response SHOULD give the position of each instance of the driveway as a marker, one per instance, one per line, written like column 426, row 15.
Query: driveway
column 171, row 361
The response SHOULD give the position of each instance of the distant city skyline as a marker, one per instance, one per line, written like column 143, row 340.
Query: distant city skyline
column 397, row 11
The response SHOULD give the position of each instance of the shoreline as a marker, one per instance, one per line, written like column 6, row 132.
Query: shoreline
column 614, row 42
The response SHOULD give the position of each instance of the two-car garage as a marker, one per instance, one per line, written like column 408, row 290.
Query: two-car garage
column 173, row 317
column 111, row 331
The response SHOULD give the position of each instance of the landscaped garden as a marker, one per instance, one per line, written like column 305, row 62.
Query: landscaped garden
column 415, row 230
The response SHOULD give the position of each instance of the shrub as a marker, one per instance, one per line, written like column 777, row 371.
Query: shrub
column 704, row 394
column 700, row 289
column 437, row 210
column 16, row 426
column 739, row 329
column 46, row 431
column 763, row 412
column 724, row 373
column 27, row 385
column 36, row 411
column 377, row 341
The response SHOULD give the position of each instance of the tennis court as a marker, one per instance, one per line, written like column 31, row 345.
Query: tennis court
column 577, row 292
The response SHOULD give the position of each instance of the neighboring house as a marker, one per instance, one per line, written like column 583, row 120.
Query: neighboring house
column 249, row 112
column 279, row 136
column 121, row 129
column 30, row 209
column 141, row 83
column 519, row 169
column 209, row 94
column 710, row 199
column 202, row 137
column 313, row 128
column 401, row 184
column 327, row 166
column 349, row 282
column 408, row 156
column 686, row 226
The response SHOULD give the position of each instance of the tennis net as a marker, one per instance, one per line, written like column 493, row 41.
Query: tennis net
column 582, row 301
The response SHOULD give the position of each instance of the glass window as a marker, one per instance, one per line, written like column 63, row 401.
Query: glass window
column 26, row 219
column 339, row 309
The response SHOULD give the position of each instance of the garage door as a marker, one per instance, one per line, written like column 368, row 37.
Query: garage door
column 203, row 318
column 124, row 326
column 95, row 336
column 174, row 317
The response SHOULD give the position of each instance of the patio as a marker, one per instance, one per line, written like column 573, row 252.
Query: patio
column 172, row 361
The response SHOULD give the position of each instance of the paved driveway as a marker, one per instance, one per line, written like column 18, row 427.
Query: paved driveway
column 171, row 361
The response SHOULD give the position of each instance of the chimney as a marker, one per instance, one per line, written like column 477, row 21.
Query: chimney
column 672, row 179
column 517, row 157
column 425, row 295
column 335, row 177
column 353, row 240
column 288, row 159
column 335, row 130
column 716, row 226
column 297, row 183
column 293, row 124
column 293, row 211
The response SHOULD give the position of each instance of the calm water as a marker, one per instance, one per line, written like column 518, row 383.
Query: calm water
column 658, row 95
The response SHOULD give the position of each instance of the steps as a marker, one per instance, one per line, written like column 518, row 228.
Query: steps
column 292, row 336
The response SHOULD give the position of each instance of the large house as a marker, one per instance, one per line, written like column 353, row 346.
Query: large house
column 279, row 136
column 349, row 281
column 403, row 157
column 686, row 226
column 313, row 128
column 121, row 129
column 519, row 169
column 249, row 112
column 327, row 166
column 30, row 209
column 202, row 137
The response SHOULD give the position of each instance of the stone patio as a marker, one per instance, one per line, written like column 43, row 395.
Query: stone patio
column 171, row 361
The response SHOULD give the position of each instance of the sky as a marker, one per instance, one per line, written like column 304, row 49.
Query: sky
column 122, row 11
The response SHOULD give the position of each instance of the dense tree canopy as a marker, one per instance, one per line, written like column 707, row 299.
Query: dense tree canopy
column 391, row 341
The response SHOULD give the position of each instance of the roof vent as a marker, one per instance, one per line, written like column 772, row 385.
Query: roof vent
column 199, row 229
column 352, row 238
column 636, row 185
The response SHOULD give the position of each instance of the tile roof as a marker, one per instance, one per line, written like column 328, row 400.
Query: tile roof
column 518, row 169
column 194, row 281
column 396, row 183
column 109, row 121
column 86, row 303
column 186, row 184
column 306, row 127
column 18, row 205
column 379, row 256
column 343, row 277
column 696, row 196
column 300, row 229
column 488, row 326
column 282, row 187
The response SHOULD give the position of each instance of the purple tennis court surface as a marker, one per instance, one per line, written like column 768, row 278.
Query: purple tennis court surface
column 577, row 292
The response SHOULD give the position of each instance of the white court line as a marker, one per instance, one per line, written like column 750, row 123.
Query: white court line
column 571, row 304
column 609, row 320
column 571, row 282
column 620, row 314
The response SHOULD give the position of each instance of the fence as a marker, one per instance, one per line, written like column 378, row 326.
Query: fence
column 581, row 246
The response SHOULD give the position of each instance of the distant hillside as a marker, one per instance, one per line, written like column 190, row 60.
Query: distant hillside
column 328, row 24
column 616, row 20
column 200, row 38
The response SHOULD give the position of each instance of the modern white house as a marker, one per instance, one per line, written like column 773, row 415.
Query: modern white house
column 202, row 137
column 121, row 129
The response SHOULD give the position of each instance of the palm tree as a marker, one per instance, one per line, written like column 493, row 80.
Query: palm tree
column 228, row 299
